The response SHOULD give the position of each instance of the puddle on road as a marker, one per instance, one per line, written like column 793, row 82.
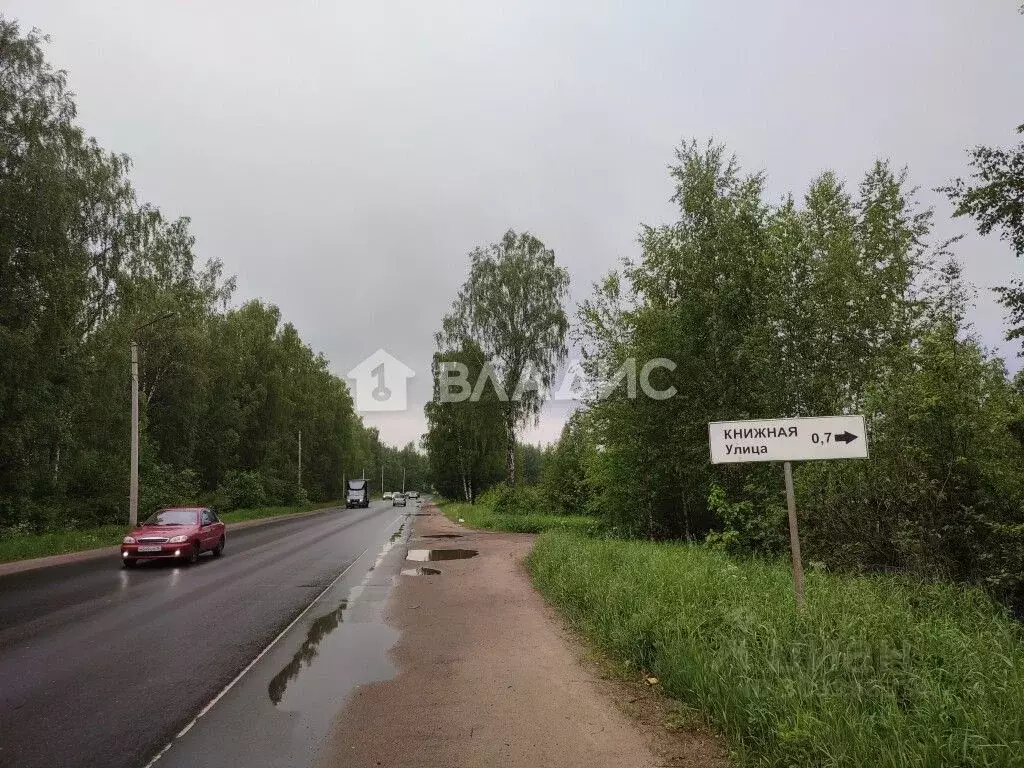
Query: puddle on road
column 429, row 555
column 442, row 536
column 320, row 628
column 352, row 636
column 422, row 571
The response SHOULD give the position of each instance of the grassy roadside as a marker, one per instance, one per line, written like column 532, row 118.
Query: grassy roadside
column 481, row 516
column 25, row 545
column 879, row 671
column 240, row 515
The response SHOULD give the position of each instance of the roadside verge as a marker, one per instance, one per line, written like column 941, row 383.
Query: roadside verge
column 488, row 675
column 29, row 564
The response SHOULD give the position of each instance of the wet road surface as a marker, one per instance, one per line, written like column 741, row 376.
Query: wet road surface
column 101, row 666
column 280, row 712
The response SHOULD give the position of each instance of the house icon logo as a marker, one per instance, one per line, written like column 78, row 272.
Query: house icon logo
column 381, row 383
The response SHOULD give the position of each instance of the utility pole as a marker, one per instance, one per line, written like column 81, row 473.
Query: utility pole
column 300, row 458
column 403, row 479
column 133, row 481
column 382, row 479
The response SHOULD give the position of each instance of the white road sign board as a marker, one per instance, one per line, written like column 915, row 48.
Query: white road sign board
column 802, row 439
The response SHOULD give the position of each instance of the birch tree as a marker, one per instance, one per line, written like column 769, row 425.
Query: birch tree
column 513, row 307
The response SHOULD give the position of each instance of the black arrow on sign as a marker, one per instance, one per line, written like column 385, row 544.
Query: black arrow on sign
column 845, row 437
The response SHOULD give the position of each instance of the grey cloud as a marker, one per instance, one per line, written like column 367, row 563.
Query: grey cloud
column 342, row 158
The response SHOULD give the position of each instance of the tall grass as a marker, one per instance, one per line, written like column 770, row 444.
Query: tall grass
column 480, row 515
column 16, row 545
column 876, row 672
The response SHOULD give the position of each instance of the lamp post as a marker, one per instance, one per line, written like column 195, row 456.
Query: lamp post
column 133, row 483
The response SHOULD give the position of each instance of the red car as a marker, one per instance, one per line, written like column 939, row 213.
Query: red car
column 181, row 533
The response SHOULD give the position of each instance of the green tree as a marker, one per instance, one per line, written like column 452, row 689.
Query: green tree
column 994, row 198
column 224, row 392
column 766, row 310
column 512, row 308
column 943, row 491
column 529, row 463
column 63, row 202
column 465, row 440
column 564, row 477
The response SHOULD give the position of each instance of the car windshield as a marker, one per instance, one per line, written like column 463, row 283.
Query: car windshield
column 173, row 517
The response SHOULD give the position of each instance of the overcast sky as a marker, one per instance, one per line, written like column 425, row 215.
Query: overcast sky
column 342, row 158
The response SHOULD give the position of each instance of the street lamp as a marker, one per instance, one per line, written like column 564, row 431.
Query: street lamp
column 133, row 483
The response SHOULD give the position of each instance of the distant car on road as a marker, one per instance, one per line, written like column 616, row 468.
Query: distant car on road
column 358, row 494
column 398, row 500
column 179, row 533
column 414, row 494
column 388, row 495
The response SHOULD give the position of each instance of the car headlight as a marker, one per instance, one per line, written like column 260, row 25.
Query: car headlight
column 177, row 539
column 128, row 540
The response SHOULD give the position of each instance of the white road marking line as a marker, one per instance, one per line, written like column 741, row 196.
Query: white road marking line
column 262, row 653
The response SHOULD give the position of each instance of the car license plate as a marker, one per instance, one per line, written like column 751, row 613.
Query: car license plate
column 149, row 549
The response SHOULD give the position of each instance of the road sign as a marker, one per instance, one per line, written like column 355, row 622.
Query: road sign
column 802, row 439
column 786, row 440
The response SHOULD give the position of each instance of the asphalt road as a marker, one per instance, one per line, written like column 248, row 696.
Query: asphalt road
column 101, row 666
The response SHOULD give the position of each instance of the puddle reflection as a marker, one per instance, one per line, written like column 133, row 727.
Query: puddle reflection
column 425, row 555
column 320, row 628
column 360, row 649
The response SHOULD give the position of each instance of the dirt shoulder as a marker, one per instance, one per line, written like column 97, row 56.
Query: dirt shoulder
column 489, row 676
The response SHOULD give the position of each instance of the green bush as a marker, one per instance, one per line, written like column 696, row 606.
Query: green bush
column 517, row 500
column 283, row 490
column 747, row 528
column 241, row 490
column 33, row 517
column 161, row 485
column 877, row 671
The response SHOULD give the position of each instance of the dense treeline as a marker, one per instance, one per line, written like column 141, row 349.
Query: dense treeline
column 83, row 264
column 837, row 301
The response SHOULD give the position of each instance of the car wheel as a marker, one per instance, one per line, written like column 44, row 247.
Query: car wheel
column 128, row 562
column 193, row 556
column 219, row 549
